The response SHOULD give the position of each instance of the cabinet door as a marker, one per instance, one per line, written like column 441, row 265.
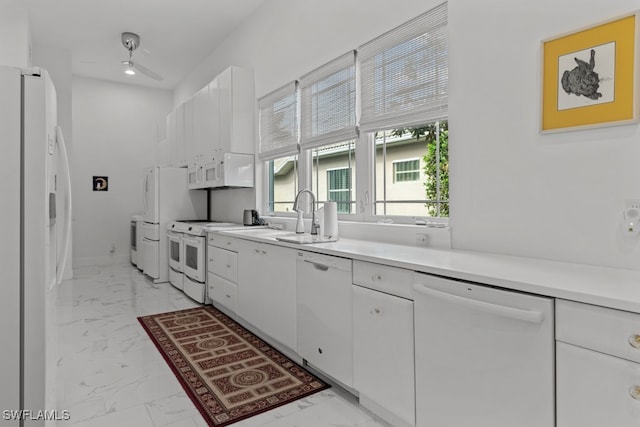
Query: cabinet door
column 178, row 147
column 383, row 362
column 278, row 273
column 596, row 389
column 188, row 137
column 236, row 102
column 223, row 292
column 250, row 282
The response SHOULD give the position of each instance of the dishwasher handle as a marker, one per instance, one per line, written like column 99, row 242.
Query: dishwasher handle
column 531, row 316
column 318, row 266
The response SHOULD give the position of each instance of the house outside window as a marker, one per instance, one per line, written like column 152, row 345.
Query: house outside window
column 339, row 188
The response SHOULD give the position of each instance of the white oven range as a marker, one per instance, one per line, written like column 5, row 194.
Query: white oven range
column 188, row 255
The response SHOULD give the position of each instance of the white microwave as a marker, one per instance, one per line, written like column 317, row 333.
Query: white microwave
column 229, row 170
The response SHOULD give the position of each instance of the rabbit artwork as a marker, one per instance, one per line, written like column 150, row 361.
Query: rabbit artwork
column 582, row 80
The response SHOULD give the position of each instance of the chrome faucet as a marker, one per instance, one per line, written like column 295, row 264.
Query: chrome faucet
column 300, row 224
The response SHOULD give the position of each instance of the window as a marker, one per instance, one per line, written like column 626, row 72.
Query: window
column 398, row 133
column 279, row 146
column 415, row 187
column 339, row 188
column 406, row 170
column 283, row 183
column 333, row 166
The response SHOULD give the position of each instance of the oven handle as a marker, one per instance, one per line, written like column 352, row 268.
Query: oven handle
column 194, row 240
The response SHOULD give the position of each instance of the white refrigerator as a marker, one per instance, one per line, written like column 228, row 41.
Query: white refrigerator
column 165, row 199
column 32, row 185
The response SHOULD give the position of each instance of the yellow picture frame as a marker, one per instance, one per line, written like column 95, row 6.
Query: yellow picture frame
column 589, row 76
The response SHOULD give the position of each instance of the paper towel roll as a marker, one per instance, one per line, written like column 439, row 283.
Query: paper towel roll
column 330, row 220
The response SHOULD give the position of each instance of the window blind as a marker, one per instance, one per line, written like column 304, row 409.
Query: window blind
column 404, row 74
column 278, row 123
column 328, row 103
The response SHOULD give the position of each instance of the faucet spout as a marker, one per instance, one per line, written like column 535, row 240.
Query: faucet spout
column 314, row 224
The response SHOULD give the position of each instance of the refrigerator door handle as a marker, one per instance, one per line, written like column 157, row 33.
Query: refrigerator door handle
column 531, row 316
column 145, row 187
column 62, row 258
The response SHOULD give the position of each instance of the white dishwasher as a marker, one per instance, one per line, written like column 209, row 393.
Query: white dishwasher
column 325, row 335
column 484, row 356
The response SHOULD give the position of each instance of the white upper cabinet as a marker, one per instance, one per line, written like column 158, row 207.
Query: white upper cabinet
column 236, row 98
column 216, row 121
column 179, row 138
column 186, row 123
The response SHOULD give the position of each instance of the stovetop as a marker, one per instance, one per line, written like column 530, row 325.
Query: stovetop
column 200, row 227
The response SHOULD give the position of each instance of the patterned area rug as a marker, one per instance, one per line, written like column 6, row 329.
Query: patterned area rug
column 229, row 373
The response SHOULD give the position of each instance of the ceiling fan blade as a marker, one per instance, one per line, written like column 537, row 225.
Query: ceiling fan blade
column 144, row 70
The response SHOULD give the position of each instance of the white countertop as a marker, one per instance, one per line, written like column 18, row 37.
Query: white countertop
column 604, row 286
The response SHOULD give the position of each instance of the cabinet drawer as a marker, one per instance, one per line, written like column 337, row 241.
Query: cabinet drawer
column 224, row 242
column 225, row 264
column 595, row 389
column 602, row 329
column 391, row 280
column 223, row 292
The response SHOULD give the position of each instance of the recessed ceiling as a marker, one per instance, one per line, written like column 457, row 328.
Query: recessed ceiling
column 175, row 35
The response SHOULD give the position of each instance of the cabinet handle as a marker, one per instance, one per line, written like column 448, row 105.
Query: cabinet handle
column 228, row 265
column 264, row 252
column 634, row 391
column 375, row 311
column 257, row 251
column 228, row 243
column 228, row 296
column 634, row 341
column 376, row 277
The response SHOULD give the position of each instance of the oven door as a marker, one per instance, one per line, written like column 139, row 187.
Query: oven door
column 194, row 257
column 176, row 250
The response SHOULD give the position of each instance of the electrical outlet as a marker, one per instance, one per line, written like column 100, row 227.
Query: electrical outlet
column 422, row 239
column 632, row 203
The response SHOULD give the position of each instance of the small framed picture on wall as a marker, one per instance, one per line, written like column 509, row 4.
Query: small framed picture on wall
column 590, row 76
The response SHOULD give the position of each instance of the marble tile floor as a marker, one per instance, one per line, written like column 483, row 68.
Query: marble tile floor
column 110, row 373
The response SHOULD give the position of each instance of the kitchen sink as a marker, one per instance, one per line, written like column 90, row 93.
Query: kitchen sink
column 305, row 238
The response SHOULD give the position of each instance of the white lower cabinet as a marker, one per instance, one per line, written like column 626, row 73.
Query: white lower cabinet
column 267, row 290
column 383, row 362
column 223, row 292
column 595, row 389
column 597, row 366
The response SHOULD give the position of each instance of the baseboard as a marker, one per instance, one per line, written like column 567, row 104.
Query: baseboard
column 384, row 413
column 101, row 260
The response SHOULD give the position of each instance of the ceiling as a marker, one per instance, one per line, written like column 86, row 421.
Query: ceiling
column 175, row 35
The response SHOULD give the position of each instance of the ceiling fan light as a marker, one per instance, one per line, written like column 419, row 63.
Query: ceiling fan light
column 130, row 71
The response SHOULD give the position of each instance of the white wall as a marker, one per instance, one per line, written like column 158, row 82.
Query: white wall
column 15, row 33
column 114, row 128
column 513, row 190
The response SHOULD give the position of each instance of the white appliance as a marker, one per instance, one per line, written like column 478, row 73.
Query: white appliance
column 483, row 356
column 187, row 247
column 231, row 170
column 34, row 181
column 136, row 237
column 166, row 198
column 324, row 310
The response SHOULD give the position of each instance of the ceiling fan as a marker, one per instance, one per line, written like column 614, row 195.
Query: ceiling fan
column 131, row 41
